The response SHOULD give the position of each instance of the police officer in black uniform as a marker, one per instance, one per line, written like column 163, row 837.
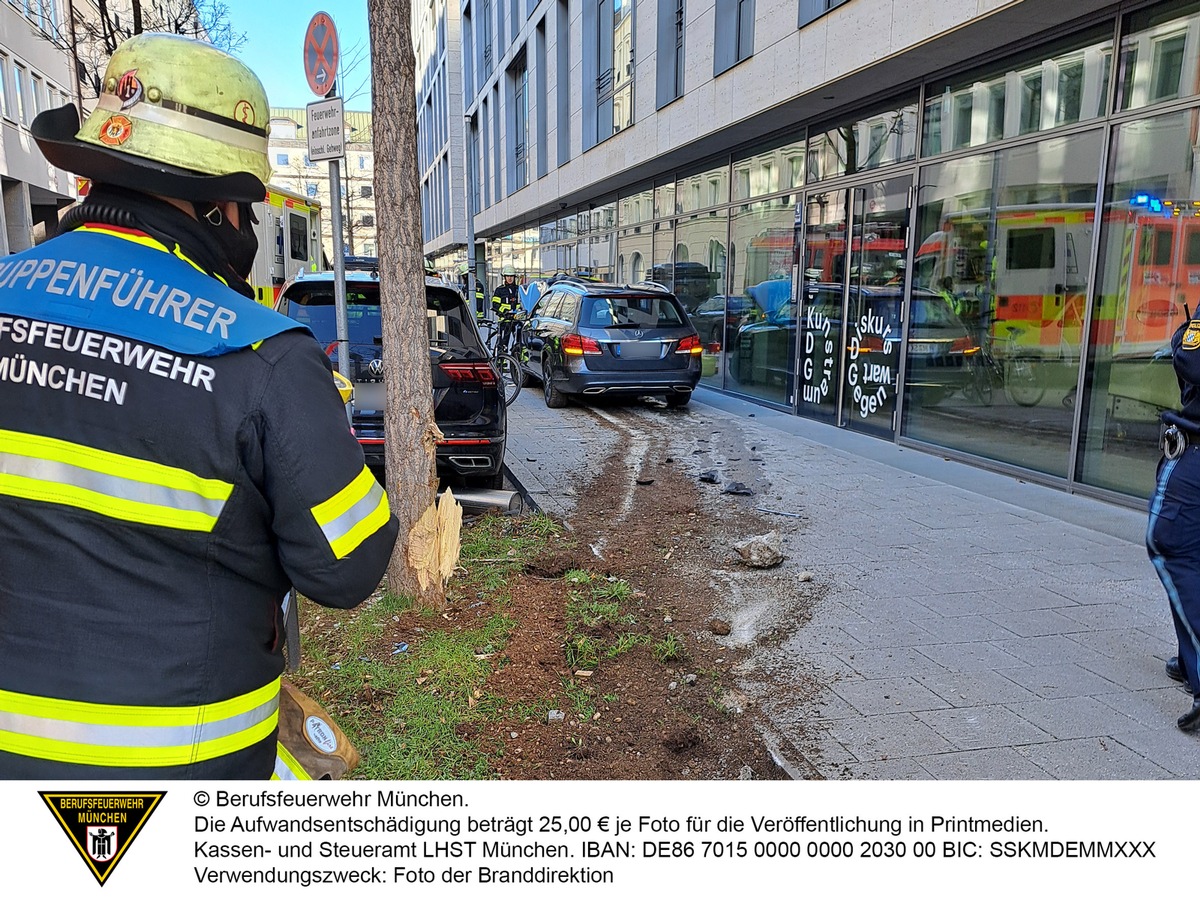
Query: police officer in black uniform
column 175, row 455
column 1173, row 533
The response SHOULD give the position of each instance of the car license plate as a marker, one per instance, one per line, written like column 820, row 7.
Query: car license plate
column 921, row 348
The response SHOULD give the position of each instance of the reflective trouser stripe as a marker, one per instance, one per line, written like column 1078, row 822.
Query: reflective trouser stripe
column 287, row 768
column 120, row 487
column 353, row 514
column 100, row 734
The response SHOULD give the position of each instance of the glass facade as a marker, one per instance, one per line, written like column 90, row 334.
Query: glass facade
column 993, row 264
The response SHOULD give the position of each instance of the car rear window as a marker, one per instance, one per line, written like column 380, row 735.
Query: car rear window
column 450, row 325
column 632, row 312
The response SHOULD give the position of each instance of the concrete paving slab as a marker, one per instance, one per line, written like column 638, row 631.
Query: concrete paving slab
column 974, row 656
column 1034, row 622
column 888, row 737
column 882, row 696
column 1061, row 680
column 989, row 763
column 976, row 688
column 1076, row 717
column 979, row 727
column 1099, row 757
column 1170, row 748
column 890, row 663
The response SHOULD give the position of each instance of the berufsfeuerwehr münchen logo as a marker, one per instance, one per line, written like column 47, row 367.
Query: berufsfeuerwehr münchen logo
column 102, row 826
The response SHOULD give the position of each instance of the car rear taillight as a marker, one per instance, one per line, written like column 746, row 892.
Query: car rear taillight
column 578, row 345
column 471, row 373
column 964, row 345
column 690, row 344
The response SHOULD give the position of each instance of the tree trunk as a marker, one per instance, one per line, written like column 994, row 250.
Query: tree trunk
column 408, row 419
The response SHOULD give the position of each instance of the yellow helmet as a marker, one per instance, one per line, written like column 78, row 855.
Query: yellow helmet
column 176, row 117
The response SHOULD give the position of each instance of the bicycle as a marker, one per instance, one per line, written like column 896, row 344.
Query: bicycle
column 1023, row 381
column 499, row 338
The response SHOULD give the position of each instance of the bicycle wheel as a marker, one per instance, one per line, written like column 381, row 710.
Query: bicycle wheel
column 1023, row 381
column 979, row 385
column 487, row 333
column 511, row 376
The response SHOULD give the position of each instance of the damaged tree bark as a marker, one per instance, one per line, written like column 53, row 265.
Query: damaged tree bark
column 428, row 536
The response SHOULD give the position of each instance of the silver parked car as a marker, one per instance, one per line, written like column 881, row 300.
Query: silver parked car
column 587, row 339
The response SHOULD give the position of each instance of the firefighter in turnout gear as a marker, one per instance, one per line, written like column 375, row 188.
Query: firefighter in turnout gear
column 506, row 306
column 174, row 455
column 1173, row 533
column 464, row 273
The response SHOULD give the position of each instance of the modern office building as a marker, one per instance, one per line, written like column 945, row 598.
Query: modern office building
column 968, row 226
column 437, row 39
column 35, row 74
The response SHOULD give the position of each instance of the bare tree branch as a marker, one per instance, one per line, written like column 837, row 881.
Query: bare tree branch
column 95, row 39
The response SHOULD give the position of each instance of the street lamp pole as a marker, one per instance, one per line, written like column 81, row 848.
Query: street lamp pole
column 469, row 181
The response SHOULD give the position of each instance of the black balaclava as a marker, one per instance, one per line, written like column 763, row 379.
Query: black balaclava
column 240, row 244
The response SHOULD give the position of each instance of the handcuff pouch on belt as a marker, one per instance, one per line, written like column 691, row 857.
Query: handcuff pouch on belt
column 1173, row 440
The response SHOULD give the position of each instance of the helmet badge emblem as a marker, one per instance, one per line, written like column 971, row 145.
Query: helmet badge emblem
column 115, row 131
column 129, row 89
column 375, row 367
column 244, row 112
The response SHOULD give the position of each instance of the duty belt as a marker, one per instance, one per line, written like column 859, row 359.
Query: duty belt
column 1173, row 440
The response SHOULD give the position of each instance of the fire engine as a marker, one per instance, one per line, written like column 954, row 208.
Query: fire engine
column 289, row 241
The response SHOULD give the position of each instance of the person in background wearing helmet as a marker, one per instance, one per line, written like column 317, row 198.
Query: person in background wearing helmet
column 506, row 306
column 464, row 274
column 175, row 454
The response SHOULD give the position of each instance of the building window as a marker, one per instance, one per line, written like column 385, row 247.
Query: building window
column 19, row 90
column 368, row 221
column 308, row 163
column 365, row 191
column 1055, row 85
column 362, row 163
column 5, row 109
column 733, row 39
column 310, row 188
column 614, row 83
column 486, row 39
column 281, row 159
column 670, row 50
column 812, row 9
column 519, row 75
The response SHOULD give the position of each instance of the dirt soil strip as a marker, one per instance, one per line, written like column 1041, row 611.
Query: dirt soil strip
column 645, row 519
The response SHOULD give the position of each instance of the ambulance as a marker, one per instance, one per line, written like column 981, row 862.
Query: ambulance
column 289, row 241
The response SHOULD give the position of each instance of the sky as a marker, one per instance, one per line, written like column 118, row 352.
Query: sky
column 274, row 47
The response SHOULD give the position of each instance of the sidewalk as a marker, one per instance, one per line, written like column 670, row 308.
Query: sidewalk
column 972, row 626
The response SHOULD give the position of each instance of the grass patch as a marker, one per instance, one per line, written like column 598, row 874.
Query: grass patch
column 669, row 649
column 404, row 708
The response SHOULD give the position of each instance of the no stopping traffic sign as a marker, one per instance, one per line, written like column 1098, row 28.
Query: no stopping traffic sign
column 321, row 54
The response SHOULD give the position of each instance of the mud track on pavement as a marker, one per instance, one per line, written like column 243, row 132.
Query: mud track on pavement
column 644, row 516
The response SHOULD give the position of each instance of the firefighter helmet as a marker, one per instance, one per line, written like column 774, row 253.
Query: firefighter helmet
column 463, row 269
column 176, row 117
column 508, row 270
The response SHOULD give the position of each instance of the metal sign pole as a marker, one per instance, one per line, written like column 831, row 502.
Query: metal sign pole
column 339, row 270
